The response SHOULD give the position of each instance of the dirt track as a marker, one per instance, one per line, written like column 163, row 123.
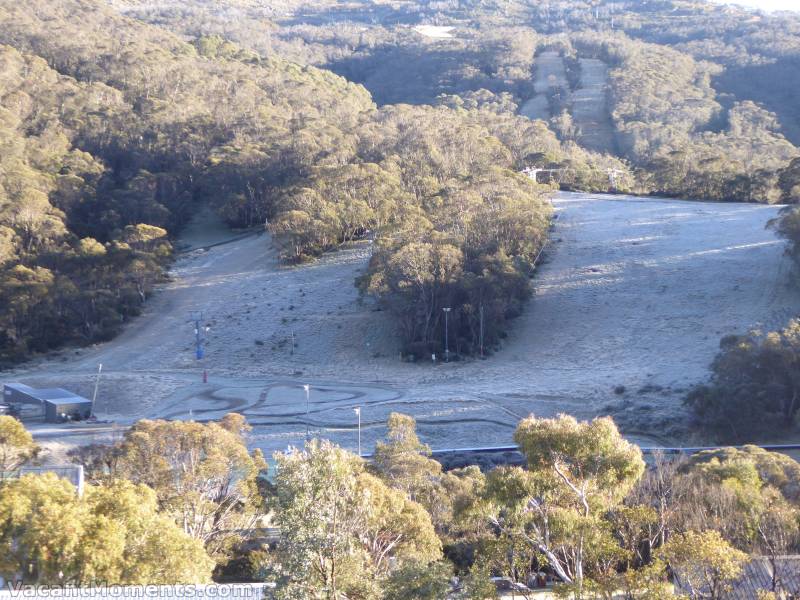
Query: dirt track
column 635, row 293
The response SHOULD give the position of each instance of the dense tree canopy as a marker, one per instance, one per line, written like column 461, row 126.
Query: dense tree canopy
column 113, row 535
column 699, row 95
column 150, row 130
column 584, row 510
column 16, row 445
column 342, row 528
column 755, row 381
column 203, row 475
column 133, row 125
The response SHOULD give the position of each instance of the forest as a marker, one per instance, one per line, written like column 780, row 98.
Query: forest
column 186, row 502
column 329, row 125
column 337, row 125
column 129, row 130
column 700, row 97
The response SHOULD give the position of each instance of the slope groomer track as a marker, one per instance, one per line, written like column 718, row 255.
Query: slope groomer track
column 627, row 313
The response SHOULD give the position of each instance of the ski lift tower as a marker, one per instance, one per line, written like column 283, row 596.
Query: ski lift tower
column 613, row 176
column 200, row 330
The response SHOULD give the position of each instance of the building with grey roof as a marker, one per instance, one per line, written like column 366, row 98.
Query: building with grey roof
column 57, row 404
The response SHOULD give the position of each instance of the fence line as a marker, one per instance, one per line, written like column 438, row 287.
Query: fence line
column 646, row 449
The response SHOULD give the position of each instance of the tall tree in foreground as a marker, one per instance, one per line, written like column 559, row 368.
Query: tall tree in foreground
column 202, row 473
column 113, row 535
column 704, row 564
column 752, row 497
column 404, row 463
column 553, row 511
column 16, row 445
column 341, row 528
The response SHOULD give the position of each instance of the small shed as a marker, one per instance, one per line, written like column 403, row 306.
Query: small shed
column 57, row 404
column 61, row 404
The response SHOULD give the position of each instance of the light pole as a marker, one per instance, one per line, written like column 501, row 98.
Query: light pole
column 96, row 385
column 307, row 388
column 446, row 342
column 357, row 410
column 481, row 311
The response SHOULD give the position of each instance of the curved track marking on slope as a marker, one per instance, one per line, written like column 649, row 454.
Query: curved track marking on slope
column 636, row 292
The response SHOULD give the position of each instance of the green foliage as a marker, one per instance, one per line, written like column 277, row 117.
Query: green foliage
column 705, row 564
column 338, row 205
column 664, row 115
column 418, row 582
column 760, row 489
column 16, row 445
column 404, row 463
column 216, row 47
column 477, row 585
column 772, row 468
column 115, row 146
column 699, row 105
column 789, row 182
column 202, row 474
column 342, row 527
column 755, row 381
column 472, row 252
column 591, row 459
column 553, row 513
column 295, row 147
column 63, row 278
column 787, row 226
column 113, row 535
column 580, row 510
column 125, row 141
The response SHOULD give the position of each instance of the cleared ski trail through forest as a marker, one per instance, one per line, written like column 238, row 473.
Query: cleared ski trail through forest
column 590, row 111
column 634, row 292
column 587, row 103
column 549, row 74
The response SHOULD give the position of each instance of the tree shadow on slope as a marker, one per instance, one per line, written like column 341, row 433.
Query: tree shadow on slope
column 774, row 86
column 418, row 74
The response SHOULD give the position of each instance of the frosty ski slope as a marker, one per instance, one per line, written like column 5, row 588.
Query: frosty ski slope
column 627, row 313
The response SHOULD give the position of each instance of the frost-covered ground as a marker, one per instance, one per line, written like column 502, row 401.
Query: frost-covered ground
column 549, row 72
column 437, row 32
column 587, row 104
column 634, row 292
column 590, row 112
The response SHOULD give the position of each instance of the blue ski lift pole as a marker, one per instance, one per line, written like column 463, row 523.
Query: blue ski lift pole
column 197, row 317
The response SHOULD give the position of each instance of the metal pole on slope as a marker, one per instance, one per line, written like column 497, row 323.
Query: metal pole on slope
column 307, row 388
column 197, row 318
column 357, row 410
column 96, row 385
column 198, row 342
column 481, row 313
column 446, row 341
